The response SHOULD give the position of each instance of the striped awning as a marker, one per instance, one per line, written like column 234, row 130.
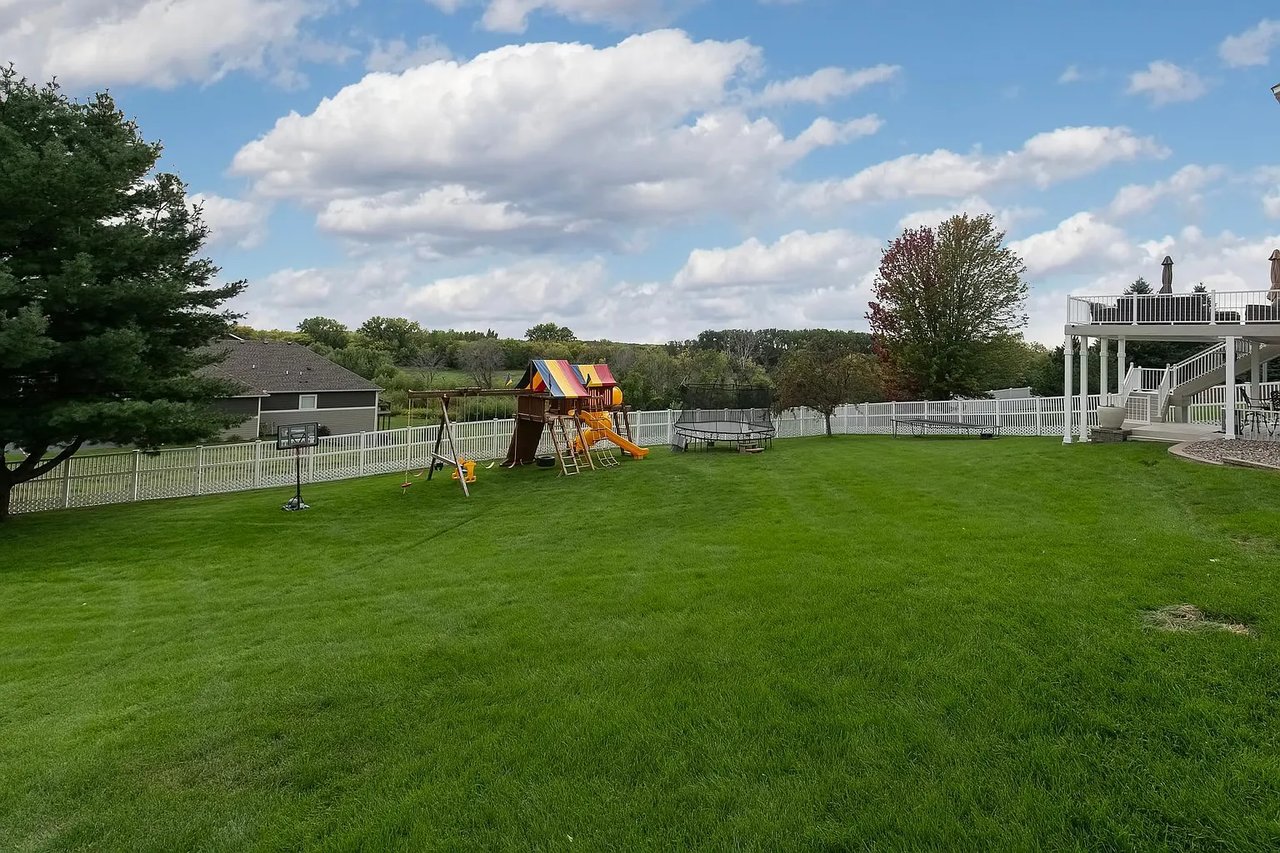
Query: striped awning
column 595, row 375
column 556, row 377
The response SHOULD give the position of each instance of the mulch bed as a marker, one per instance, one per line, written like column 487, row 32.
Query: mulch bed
column 1217, row 450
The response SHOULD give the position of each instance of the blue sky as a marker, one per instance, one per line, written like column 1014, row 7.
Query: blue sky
column 645, row 169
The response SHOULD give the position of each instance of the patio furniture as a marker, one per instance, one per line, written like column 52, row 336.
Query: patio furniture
column 1258, row 415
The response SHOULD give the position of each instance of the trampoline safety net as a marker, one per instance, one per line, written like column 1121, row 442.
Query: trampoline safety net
column 730, row 413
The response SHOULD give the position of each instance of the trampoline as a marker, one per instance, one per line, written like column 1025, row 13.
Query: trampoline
column 740, row 415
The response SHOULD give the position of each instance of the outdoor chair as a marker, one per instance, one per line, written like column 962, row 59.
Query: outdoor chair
column 1257, row 414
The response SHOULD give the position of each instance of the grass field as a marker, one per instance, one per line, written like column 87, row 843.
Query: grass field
column 914, row 643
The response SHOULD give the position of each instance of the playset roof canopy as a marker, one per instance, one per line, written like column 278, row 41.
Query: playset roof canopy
column 556, row 377
column 595, row 375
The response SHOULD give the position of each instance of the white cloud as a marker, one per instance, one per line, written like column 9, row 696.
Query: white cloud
column 826, row 84
column 1082, row 241
column 801, row 279
column 796, row 260
column 1005, row 218
column 512, row 16
column 1043, row 160
column 160, row 43
column 1165, row 83
column 1251, row 47
column 398, row 55
column 232, row 221
column 1070, row 74
column 350, row 293
column 1183, row 186
column 537, row 144
column 514, row 295
column 1271, row 204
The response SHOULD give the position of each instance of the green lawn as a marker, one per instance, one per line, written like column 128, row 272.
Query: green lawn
column 918, row 643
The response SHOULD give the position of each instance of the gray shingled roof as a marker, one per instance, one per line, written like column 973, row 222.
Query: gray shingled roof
column 282, row 367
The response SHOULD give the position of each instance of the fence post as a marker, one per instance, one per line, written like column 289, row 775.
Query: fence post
column 311, row 463
column 200, row 470
column 257, row 464
column 137, row 459
column 1039, row 415
column 66, row 482
column 363, row 448
column 671, row 427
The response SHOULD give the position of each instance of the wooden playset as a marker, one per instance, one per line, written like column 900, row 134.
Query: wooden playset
column 578, row 407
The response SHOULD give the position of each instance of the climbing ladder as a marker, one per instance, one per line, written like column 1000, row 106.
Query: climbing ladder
column 563, row 430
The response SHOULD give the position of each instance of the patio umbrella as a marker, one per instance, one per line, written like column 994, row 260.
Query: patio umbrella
column 1166, row 277
column 1275, row 276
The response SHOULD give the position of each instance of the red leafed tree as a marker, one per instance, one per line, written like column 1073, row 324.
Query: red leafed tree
column 943, row 299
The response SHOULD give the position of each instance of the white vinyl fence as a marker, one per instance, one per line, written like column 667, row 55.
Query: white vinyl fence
column 1206, row 407
column 94, row 480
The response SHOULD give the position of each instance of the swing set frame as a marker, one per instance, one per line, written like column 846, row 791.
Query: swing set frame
column 445, row 432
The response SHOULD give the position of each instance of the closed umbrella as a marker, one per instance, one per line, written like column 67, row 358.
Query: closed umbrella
column 1166, row 277
column 1274, row 294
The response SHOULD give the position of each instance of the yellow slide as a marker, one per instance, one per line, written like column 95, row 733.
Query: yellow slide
column 600, row 428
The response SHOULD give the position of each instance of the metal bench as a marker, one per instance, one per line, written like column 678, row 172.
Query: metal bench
column 923, row 426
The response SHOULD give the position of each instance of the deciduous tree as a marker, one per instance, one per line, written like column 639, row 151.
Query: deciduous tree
column 942, row 296
column 326, row 331
column 481, row 360
column 402, row 339
column 550, row 332
column 105, row 304
column 824, row 381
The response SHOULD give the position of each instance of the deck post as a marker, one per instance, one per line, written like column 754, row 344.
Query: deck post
column 1066, row 390
column 1122, row 369
column 1255, row 372
column 1083, row 435
column 1103, row 377
column 1229, row 399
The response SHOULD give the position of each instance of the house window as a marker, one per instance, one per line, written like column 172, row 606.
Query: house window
column 306, row 401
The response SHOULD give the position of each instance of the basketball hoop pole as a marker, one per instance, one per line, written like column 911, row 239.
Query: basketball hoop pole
column 297, row 473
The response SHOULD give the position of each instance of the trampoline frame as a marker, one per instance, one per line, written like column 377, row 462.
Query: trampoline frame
column 752, row 426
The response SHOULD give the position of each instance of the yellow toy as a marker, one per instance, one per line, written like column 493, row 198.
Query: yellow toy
column 468, row 468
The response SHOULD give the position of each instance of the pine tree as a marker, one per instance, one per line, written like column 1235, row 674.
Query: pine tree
column 106, row 307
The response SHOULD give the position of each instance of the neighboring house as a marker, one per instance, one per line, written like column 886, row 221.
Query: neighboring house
column 287, row 383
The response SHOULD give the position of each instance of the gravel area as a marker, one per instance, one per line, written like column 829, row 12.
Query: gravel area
column 1262, row 452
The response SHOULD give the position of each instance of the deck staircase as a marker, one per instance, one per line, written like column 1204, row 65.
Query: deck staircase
column 1158, row 395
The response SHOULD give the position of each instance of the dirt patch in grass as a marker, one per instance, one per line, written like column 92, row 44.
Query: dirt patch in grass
column 1188, row 617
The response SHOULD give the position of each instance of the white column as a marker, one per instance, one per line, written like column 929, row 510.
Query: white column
column 1066, row 391
column 1255, row 372
column 1083, row 434
column 1122, row 367
column 1229, row 399
column 1103, row 342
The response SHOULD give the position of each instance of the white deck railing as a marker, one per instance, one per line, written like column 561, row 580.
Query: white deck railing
column 1241, row 307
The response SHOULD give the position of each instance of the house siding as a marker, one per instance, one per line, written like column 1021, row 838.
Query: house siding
column 324, row 400
column 281, row 403
column 247, row 431
column 339, row 421
column 347, row 399
column 247, row 406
